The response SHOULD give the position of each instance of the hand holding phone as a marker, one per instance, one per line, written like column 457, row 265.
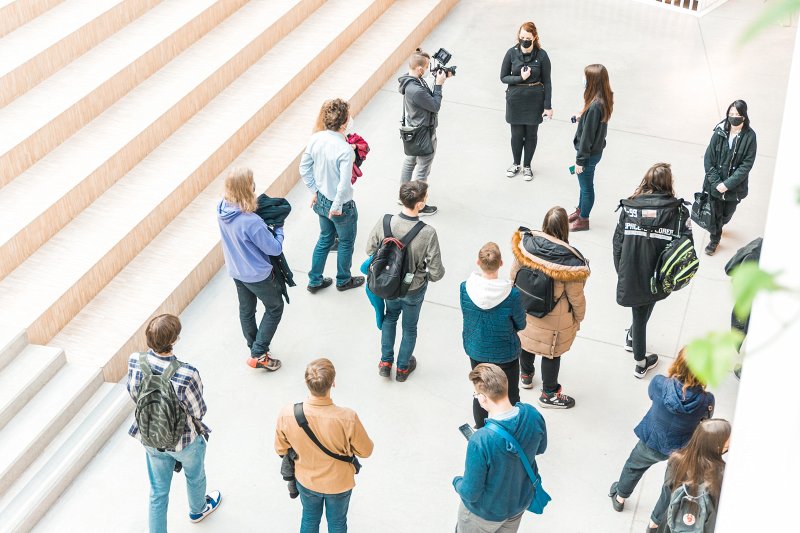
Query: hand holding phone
column 466, row 430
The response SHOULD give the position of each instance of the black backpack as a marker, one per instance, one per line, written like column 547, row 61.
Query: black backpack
column 390, row 274
column 159, row 414
column 536, row 291
column 677, row 264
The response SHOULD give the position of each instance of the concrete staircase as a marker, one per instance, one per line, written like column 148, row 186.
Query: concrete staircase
column 123, row 117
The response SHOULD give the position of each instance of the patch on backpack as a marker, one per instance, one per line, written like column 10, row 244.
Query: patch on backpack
column 689, row 519
column 649, row 213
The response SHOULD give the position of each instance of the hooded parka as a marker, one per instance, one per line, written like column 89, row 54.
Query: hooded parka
column 553, row 334
column 730, row 165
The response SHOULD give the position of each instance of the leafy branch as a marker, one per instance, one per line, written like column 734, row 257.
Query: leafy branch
column 772, row 14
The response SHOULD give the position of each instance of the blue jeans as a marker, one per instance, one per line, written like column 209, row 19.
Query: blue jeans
column 345, row 227
column 161, row 465
column 335, row 505
column 410, row 306
column 269, row 292
column 586, row 181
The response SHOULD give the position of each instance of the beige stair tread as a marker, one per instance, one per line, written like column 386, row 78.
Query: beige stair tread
column 45, row 277
column 30, row 431
column 159, row 269
column 15, row 13
column 25, row 376
column 46, row 102
column 35, row 192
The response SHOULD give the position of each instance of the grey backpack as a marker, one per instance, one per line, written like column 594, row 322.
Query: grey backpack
column 687, row 513
column 159, row 414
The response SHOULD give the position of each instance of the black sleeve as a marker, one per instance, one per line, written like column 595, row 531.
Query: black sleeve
column 619, row 235
column 712, row 177
column 505, row 70
column 590, row 125
column 546, row 80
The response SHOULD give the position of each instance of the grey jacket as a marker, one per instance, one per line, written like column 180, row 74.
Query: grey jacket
column 424, row 250
column 421, row 104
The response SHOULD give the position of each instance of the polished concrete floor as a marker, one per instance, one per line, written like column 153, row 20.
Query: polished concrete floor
column 673, row 76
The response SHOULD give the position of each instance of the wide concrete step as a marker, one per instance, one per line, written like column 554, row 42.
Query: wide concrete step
column 40, row 201
column 53, row 39
column 12, row 342
column 38, row 488
column 167, row 274
column 15, row 13
column 25, row 376
column 62, row 276
column 59, row 106
column 34, row 426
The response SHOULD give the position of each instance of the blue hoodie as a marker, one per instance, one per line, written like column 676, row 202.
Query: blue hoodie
column 247, row 243
column 495, row 485
column 672, row 419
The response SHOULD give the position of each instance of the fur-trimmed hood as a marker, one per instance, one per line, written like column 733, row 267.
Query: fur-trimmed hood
column 538, row 250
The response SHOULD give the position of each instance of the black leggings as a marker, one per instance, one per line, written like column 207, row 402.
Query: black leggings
column 641, row 314
column 512, row 373
column 524, row 135
column 550, row 368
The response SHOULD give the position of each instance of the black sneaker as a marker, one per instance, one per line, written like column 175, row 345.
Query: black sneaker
column 527, row 174
column 651, row 361
column 556, row 400
column 628, row 340
column 401, row 375
column 326, row 282
column 384, row 369
column 615, row 503
column 526, row 381
column 711, row 248
column 428, row 210
column 353, row 283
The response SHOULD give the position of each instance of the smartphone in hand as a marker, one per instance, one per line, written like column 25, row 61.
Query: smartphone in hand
column 572, row 169
column 466, row 430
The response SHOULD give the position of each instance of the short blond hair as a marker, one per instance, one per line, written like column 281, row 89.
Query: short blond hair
column 239, row 189
column 490, row 380
column 489, row 257
column 320, row 375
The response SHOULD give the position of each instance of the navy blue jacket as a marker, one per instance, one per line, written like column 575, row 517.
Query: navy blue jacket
column 490, row 335
column 672, row 418
column 495, row 485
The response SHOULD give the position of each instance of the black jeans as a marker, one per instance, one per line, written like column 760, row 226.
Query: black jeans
column 269, row 292
column 641, row 314
column 550, row 368
column 721, row 212
column 640, row 460
column 524, row 136
column 512, row 373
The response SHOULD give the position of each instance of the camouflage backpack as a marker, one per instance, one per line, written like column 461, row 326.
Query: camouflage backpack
column 159, row 414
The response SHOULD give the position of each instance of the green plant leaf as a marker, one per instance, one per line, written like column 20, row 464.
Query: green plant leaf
column 710, row 358
column 748, row 281
column 773, row 13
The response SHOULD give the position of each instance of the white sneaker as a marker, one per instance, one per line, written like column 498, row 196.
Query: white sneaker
column 213, row 500
column 527, row 174
column 512, row 171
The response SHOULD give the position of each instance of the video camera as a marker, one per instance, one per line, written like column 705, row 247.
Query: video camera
column 439, row 62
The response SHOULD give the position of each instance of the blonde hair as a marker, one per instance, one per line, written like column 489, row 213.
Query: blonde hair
column 490, row 380
column 319, row 376
column 418, row 59
column 239, row 189
column 489, row 257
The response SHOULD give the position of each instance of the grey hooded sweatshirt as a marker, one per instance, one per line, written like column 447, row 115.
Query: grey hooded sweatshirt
column 420, row 103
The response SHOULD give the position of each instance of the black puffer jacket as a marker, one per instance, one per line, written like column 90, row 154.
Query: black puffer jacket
column 729, row 165
column 646, row 225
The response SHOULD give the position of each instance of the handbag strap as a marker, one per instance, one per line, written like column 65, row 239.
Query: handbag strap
column 516, row 448
column 300, row 416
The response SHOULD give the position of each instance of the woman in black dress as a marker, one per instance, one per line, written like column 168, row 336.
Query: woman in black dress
column 526, row 71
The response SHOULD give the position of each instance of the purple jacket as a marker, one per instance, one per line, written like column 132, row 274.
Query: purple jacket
column 247, row 243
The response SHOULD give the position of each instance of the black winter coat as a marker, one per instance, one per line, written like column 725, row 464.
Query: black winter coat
column 525, row 103
column 730, row 166
column 273, row 211
column 590, row 137
column 646, row 225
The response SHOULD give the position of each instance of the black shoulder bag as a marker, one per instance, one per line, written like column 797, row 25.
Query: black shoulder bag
column 300, row 416
column 416, row 141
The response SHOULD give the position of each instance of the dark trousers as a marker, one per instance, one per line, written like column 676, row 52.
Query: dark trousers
column 550, row 368
column 524, row 136
column 641, row 314
column 512, row 373
column 638, row 462
column 268, row 292
column 721, row 212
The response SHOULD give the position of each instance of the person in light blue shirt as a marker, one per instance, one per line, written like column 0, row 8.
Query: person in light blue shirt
column 247, row 243
column 326, row 168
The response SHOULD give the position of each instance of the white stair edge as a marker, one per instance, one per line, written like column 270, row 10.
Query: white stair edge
column 25, row 376
column 27, row 447
column 82, row 440
column 13, row 345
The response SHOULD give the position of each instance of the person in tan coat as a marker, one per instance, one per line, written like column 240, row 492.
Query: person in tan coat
column 548, row 251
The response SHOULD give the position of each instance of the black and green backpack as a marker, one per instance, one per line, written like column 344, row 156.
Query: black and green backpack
column 159, row 414
column 677, row 264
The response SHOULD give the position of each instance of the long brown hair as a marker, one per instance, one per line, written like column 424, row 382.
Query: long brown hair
column 556, row 223
column 701, row 460
column 530, row 27
column 680, row 371
column 657, row 179
column 598, row 89
column 239, row 189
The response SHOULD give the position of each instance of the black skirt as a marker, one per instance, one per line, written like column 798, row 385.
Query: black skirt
column 524, row 104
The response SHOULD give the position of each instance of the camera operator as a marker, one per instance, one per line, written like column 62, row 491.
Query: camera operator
column 421, row 105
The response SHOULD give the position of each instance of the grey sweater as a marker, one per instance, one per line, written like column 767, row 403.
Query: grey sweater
column 424, row 250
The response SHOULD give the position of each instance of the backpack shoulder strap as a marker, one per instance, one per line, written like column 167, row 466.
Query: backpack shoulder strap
column 144, row 365
column 497, row 428
column 387, row 226
column 302, row 421
column 413, row 232
column 171, row 369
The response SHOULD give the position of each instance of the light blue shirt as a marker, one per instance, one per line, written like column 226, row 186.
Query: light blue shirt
column 327, row 166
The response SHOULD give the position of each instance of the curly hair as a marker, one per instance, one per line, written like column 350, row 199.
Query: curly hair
column 333, row 115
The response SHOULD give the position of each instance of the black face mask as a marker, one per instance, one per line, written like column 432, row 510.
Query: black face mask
column 526, row 43
column 735, row 121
